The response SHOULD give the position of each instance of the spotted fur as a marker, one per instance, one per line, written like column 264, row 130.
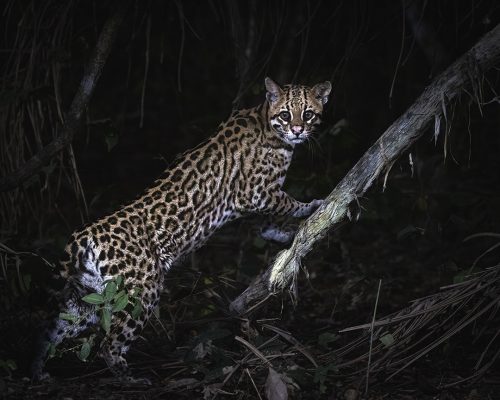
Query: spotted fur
column 240, row 170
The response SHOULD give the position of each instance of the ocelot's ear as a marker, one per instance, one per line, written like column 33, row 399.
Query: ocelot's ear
column 273, row 90
column 322, row 90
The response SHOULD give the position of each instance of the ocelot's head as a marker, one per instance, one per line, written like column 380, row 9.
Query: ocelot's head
column 295, row 110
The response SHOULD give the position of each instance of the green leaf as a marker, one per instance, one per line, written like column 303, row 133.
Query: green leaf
column 209, row 309
column 8, row 365
column 106, row 319
column 111, row 139
column 11, row 364
column 110, row 290
column 136, row 292
column 26, row 283
column 137, row 310
column 120, row 302
column 84, row 351
column 93, row 298
column 119, row 280
column 68, row 317
column 326, row 338
column 408, row 231
column 387, row 340
column 208, row 281
column 52, row 350
column 119, row 294
column 461, row 276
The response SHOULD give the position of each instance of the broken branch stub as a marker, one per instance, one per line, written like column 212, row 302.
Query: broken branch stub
column 403, row 133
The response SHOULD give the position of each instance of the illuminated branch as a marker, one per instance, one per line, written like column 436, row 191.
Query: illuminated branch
column 465, row 73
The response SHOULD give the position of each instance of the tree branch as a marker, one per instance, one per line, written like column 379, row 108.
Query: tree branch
column 78, row 106
column 405, row 131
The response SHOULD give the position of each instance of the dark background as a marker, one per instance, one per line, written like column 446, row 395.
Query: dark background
column 175, row 71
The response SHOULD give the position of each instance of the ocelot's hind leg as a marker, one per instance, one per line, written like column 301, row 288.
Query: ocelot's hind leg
column 125, row 329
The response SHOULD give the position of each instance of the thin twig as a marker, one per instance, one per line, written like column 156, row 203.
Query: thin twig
column 371, row 337
column 253, row 383
column 253, row 349
column 289, row 338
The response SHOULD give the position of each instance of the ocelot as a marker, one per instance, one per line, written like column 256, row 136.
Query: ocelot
column 239, row 170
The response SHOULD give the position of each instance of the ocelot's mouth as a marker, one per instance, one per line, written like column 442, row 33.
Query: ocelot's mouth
column 293, row 138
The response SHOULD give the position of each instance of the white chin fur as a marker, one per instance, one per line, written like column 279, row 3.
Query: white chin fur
column 294, row 139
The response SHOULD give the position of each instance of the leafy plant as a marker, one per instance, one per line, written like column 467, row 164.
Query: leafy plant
column 113, row 299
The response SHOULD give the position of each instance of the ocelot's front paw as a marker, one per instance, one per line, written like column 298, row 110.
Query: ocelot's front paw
column 309, row 208
column 315, row 204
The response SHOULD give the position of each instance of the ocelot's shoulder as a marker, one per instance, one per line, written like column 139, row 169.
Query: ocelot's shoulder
column 245, row 118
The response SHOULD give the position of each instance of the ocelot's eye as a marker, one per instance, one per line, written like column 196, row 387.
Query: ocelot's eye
column 308, row 115
column 285, row 115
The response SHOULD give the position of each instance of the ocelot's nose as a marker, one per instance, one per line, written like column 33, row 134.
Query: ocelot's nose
column 297, row 129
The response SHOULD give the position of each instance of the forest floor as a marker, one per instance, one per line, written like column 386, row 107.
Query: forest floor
column 409, row 238
column 196, row 349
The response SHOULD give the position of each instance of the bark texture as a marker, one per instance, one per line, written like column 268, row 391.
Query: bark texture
column 430, row 107
column 74, row 116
